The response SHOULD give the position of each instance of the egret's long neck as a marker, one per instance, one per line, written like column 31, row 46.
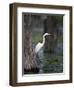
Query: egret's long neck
column 43, row 40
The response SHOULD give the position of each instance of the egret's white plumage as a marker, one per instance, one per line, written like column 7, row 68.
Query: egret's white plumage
column 40, row 45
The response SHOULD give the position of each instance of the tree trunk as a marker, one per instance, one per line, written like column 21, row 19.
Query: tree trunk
column 50, row 27
column 30, row 63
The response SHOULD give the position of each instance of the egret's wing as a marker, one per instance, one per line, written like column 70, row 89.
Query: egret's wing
column 38, row 47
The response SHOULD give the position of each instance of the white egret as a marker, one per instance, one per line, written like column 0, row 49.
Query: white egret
column 40, row 45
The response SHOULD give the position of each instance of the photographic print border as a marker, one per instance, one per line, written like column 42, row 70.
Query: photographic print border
column 13, row 43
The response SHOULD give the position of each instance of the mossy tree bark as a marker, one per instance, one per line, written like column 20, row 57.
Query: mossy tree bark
column 29, row 53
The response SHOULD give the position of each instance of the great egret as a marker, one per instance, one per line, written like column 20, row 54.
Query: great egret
column 40, row 45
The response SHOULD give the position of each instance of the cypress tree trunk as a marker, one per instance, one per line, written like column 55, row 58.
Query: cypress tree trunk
column 30, row 63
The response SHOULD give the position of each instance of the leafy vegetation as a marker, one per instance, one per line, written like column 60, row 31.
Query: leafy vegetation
column 36, row 37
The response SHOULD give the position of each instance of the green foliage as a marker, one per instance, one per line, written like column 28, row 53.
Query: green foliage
column 36, row 37
column 60, row 39
column 50, row 59
column 59, row 19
